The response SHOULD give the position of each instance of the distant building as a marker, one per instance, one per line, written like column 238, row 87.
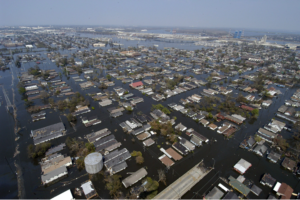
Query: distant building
column 136, row 84
column 99, row 45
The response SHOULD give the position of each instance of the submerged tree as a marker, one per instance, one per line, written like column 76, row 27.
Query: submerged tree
column 162, row 176
column 113, row 184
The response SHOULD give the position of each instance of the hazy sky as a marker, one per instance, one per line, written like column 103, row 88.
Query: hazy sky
column 254, row 14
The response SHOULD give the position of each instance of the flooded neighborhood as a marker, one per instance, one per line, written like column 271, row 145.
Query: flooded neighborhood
column 101, row 112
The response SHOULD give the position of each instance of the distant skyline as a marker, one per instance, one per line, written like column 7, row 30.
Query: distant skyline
column 243, row 14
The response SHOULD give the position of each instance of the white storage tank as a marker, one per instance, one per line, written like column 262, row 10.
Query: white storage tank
column 93, row 163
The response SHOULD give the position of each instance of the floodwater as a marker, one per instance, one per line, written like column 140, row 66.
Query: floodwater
column 222, row 154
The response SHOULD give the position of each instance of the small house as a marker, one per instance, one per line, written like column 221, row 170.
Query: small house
column 289, row 163
column 268, row 180
column 260, row 149
column 242, row 166
column 273, row 157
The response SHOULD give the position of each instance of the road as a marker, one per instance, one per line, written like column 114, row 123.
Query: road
column 183, row 184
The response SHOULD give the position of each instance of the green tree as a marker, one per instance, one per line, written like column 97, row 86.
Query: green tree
column 255, row 112
column 80, row 163
column 22, row 90
column 90, row 147
column 108, row 77
column 136, row 153
column 150, row 185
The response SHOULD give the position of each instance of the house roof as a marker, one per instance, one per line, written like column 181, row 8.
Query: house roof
column 274, row 156
column 271, row 197
column 285, row 190
column 67, row 195
column 242, row 165
column 256, row 190
column 267, row 178
column 288, row 163
column 260, row 148
column 87, row 187
column 215, row 193
column 239, row 186
column 136, row 84
column 230, row 195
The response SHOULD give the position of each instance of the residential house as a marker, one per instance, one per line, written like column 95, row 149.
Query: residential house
column 268, row 180
column 260, row 149
column 289, row 164
column 242, row 166
column 283, row 190
column 273, row 156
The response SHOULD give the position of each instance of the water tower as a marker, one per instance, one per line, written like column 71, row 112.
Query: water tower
column 93, row 163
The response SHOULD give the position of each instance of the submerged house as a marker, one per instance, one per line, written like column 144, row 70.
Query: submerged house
column 260, row 149
column 274, row 157
column 289, row 164
column 268, row 180
column 283, row 190
column 242, row 166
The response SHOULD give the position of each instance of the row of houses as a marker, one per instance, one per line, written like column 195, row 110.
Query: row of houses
column 54, row 165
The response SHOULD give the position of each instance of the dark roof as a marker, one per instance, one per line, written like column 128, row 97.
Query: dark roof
column 268, row 179
column 288, row 163
column 104, row 140
column 41, row 132
column 274, row 156
column 231, row 195
column 106, row 145
column 215, row 193
column 55, row 149
column 180, row 148
column 256, row 190
column 198, row 135
column 271, row 197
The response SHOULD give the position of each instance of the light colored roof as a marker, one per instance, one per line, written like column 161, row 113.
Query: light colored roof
column 134, row 177
column 56, row 172
column 277, row 186
column 66, row 195
column 239, row 117
column 66, row 161
column 87, row 187
column 242, row 165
